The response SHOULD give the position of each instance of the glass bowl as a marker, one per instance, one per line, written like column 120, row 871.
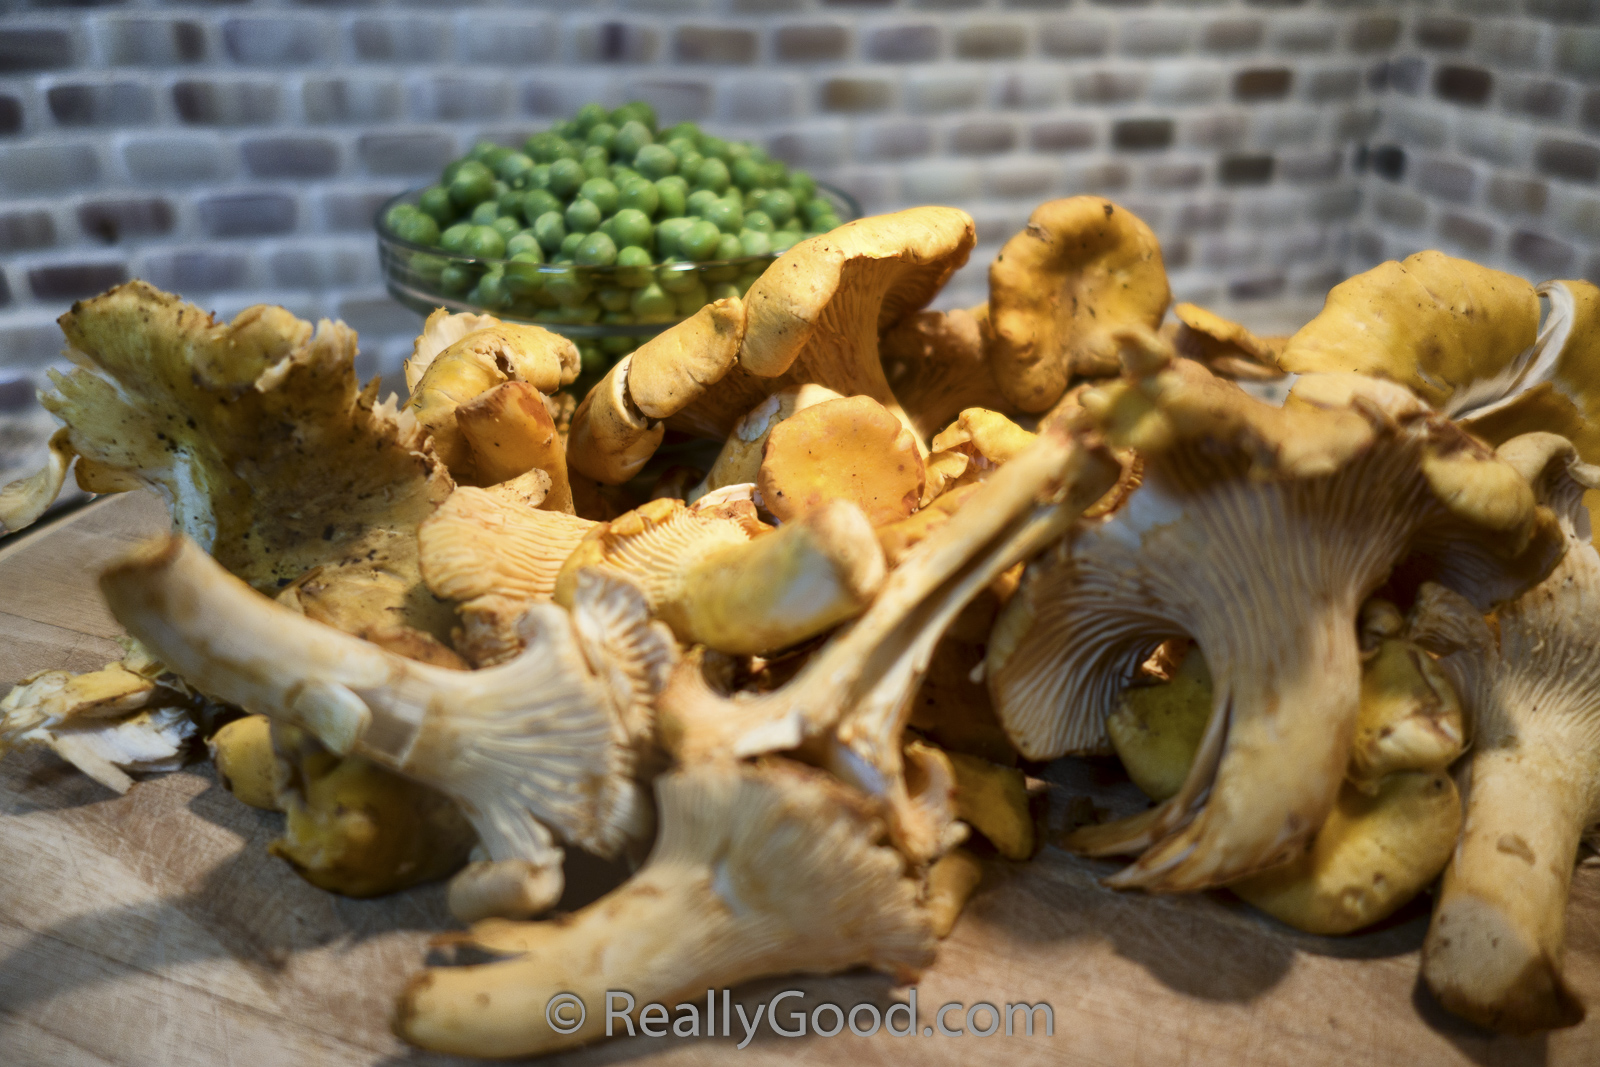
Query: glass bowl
column 613, row 307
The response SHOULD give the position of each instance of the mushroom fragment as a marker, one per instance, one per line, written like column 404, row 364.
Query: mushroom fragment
column 1225, row 347
column 937, row 365
column 1530, row 684
column 740, row 459
column 848, row 449
column 536, row 744
column 246, row 765
column 758, row 870
column 714, row 585
column 1060, row 290
column 1257, row 532
column 24, row 500
column 510, row 431
column 969, row 448
column 263, row 446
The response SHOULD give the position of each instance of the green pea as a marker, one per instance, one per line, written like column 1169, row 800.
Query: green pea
column 784, row 240
column 416, row 227
column 569, row 246
column 472, row 185
column 676, row 277
column 522, row 243
column 536, row 202
column 758, row 220
column 621, row 174
column 543, row 147
column 514, row 169
column 596, row 162
column 691, row 300
column 728, row 247
column 631, row 137
column 802, row 185
column 653, row 304
column 450, row 169
column 633, row 267
column 588, row 117
column 614, row 298
column 669, row 235
column 630, row 226
column 565, row 177
column 778, row 205
column 508, row 226
column 714, row 148
column 755, row 242
column 550, row 229
column 567, row 287
column 824, row 223
column 490, row 292
column 640, row 195
column 713, row 175
column 523, row 278
column 642, row 111
column 511, row 203
column 602, row 193
column 701, row 199
column 566, row 129
column 737, row 150
column 482, row 151
column 747, row 173
column 596, row 250
column 570, row 149
column 583, row 215
column 655, row 161
column 673, row 193
column 429, row 267
column 722, row 291
column 485, row 213
column 812, row 210
column 699, row 241
column 727, row 217
column 499, row 189
column 457, row 278
column 435, row 202
column 455, row 238
column 619, row 344
column 485, row 242
column 579, row 313
column 775, row 176
column 687, row 130
column 794, row 225
column 746, row 280
column 735, row 196
column 600, row 134
column 538, row 177
column 689, row 165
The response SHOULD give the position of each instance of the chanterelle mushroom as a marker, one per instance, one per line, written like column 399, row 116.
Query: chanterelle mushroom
column 1531, row 687
column 937, row 363
column 1257, row 532
column 1059, row 291
column 265, row 449
column 544, row 740
column 771, row 869
column 850, row 449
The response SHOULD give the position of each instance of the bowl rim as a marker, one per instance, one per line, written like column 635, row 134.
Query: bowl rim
column 386, row 235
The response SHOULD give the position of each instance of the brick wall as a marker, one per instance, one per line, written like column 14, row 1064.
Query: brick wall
column 236, row 152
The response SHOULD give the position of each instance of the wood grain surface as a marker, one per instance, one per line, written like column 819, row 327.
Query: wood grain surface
column 153, row 930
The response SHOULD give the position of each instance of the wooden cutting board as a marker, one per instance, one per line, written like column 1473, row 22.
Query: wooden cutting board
column 153, row 929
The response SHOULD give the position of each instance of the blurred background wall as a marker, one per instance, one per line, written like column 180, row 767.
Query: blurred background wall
column 236, row 152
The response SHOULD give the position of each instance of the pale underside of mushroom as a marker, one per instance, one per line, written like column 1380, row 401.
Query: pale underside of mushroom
column 1530, row 685
column 1258, row 534
column 535, row 744
column 766, row 869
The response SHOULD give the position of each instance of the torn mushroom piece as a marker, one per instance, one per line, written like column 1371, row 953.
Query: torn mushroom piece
column 853, row 696
column 1226, row 348
column 482, row 401
column 970, row 448
column 740, row 459
column 1354, row 474
column 494, row 552
column 715, row 585
column 246, row 765
column 1530, row 684
column 937, row 365
column 758, row 870
column 106, row 723
column 850, row 449
column 536, row 744
column 263, row 446
column 24, row 500
column 1059, row 292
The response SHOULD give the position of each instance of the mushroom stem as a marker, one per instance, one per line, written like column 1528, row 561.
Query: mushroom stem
column 1493, row 953
column 758, row 870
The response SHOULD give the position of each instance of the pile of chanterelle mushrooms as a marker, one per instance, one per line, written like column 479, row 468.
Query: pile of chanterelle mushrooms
column 1347, row 642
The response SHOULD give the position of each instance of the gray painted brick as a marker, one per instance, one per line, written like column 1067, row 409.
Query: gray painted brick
column 1075, row 38
column 75, row 281
column 271, row 41
column 1517, row 45
column 810, row 146
column 109, row 221
column 226, row 103
column 855, row 94
column 991, row 41
column 11, row 115
column 318, row 267
column 1517, row 196
column 407, row 39
column 27, row 48
column 452, row 97
column 813, row 43
column 985, row 138
column 106, row 104
column 196, row 270
column 903, row 43
column 1399, row 207
column 507, row 41
column 1443, row 33
column 1108, row 86
column 1061, row 135
column 1154, row 36
column 1306, row 35
column 614, row 42
column 1540, row 98
column 1495, row 140
column 1204, row 216
column 290, row 157
column 1020, row 178
column 1168, row 176
column 1578, row 52
column 1446, row 179
column 29, row 344
column 378, row 316
column 354, row 209
column 1407, row 74
column 1028, row 88
column 940, row 183
column 1183, row 86
column 935, row 93
column 415, row 152
column 713, row 44
column 1372, row 33
column 675, row 99
column 24, row 231
column 760, row 98
column 1218, row 131
column 1303, row 168
column 352, row 100
column 248, row 214
column 173, row 160
column 1326, row 86
column 47, row 168
column 146, row 42
column 895, row 140
column 1545, row 254
column 1232, row 35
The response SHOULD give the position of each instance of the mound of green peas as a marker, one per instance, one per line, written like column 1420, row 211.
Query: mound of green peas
column 607, row 189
